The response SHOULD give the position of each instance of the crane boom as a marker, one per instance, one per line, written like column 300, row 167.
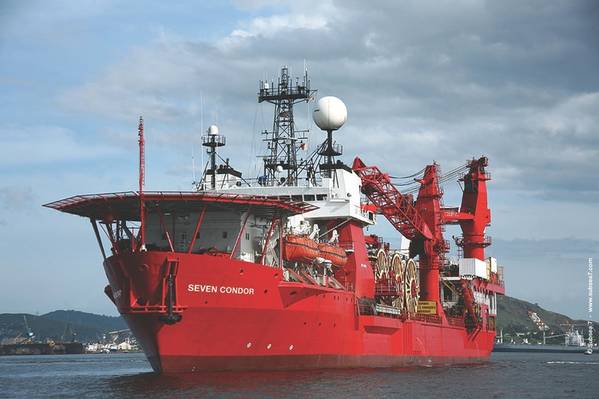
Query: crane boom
column 396, row 207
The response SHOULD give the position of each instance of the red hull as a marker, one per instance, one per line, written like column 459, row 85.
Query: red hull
column 239, row 316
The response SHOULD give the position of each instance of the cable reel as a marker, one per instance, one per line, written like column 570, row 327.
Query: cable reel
column 411, row 286
column 397, row 268
column 381, row 265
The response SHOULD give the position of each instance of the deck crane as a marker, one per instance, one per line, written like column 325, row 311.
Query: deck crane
column 421, row 221
column 421, row 226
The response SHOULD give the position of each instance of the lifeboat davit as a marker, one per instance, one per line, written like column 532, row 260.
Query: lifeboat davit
column 299, row 249
column 333, row 253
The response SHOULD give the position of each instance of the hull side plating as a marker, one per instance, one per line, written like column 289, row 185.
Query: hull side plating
column 238, row 315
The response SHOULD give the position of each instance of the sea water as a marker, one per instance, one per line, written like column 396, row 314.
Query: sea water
column 506, row 375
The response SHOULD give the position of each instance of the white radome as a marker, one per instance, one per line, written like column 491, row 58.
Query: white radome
column 213, row 130
column 330, row 113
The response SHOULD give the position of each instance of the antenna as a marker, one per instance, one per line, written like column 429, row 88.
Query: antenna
column 142, row 181
column 212, row 139
column 201, row 124
column 283, row 141
column 193, row 162
column 329, row 115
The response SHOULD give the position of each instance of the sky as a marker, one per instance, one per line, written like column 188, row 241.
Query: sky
column 423, row 81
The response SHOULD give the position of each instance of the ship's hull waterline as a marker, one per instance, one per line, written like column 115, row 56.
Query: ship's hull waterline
column 243, row 316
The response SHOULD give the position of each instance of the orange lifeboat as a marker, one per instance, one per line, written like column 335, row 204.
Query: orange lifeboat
column 333, row 253
column 299, row 248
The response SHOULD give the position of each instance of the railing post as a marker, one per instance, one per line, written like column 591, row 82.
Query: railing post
column 280, row 242
column 267, row 240
column 97, row 233
column 168, row 237
column 196, row 231
column 247, row 216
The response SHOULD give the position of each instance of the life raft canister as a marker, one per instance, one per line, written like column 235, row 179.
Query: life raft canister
column 333, row 253
column 299, row 248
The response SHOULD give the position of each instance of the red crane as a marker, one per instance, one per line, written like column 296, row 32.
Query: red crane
column 412, row 220
column 396, row 207
column 474, row 214
column 422, row 221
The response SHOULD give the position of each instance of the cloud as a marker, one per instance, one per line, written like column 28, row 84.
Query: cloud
column 269, row 27
column 434, row 80
column 423, row 81
column 29, row 145
column 33, row 19
column 15, row 198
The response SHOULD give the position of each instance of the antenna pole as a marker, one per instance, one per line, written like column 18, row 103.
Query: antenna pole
column 212, row 139
column 193, row 162
column 142, row 172
column 201, row 127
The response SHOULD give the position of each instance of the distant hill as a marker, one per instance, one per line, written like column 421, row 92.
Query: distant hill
column 59, row 325
column 513, row 317
column 104, row 323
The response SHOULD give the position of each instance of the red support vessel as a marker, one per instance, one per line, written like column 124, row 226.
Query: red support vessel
column 277, row 273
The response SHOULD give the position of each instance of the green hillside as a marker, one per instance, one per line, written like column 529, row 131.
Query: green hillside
column 104, row 323
column 513, row 317
column 59, row 325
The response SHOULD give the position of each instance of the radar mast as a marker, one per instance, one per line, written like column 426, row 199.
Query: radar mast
column 281, row 166
column 212, row 140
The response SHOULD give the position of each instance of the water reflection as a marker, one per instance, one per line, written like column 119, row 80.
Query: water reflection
column 321, row 383
column 128, row 376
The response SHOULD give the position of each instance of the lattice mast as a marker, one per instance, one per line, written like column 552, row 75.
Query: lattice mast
column 281, row 164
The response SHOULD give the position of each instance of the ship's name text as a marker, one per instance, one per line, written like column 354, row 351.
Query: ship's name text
column 223, row 289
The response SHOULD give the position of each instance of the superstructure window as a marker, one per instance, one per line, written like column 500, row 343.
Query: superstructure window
column 309, row 197
column 321, row 197
column 296, row 197
column 225, row 235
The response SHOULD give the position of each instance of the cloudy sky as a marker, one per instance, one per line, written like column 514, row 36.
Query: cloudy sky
column 423, row 81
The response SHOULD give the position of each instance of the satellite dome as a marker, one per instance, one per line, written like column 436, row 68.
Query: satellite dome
column 330, row 113
column 213, row 130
